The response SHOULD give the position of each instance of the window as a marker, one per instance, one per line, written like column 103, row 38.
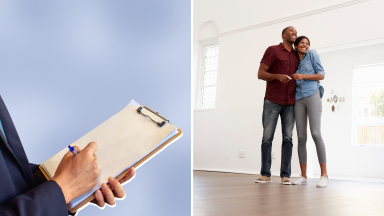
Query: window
column 209, row 76
column 368, row 110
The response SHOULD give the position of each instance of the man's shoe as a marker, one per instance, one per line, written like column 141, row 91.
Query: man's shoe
column 263, row 179
column 300, row 181
column 285, row 181
column 323, row 183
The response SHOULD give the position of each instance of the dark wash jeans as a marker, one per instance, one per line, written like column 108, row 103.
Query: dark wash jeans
column 271, row 112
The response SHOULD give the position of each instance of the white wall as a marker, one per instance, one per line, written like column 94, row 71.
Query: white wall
column 344, row 159
column 246, row 29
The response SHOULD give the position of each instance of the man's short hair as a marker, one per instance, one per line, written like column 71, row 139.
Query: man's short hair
column 285, row 29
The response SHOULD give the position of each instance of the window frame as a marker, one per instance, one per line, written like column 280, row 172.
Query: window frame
column 200, row 81
column 355, row 110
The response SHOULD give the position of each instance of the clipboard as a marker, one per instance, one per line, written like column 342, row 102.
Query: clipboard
column 155, row 119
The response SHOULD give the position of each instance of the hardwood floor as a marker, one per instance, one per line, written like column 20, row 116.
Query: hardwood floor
column 222, row 194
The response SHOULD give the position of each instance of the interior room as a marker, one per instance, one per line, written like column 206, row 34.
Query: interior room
column 229, row 41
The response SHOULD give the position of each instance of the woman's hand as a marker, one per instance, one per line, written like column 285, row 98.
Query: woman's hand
column 106, row 195
column 297, row 76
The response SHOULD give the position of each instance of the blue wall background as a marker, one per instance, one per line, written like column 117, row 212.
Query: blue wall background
column 67, row 66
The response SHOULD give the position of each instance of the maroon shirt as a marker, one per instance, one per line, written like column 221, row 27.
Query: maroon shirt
column 280, row 61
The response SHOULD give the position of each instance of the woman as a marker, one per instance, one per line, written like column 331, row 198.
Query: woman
column 308, row 103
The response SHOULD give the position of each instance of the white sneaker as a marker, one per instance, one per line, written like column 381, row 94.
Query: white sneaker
column 300, row 181
column 323, row 183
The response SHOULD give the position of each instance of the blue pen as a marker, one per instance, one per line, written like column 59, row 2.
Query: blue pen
column 73, row 150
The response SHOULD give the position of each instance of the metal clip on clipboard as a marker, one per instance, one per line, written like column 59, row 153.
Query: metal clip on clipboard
column 160, row 123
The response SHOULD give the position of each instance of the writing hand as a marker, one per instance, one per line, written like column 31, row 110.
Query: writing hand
column 78, row 174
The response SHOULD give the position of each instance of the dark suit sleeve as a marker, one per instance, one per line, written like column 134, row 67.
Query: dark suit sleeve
column 45, row 199
column 40, row 178
column 37, row 174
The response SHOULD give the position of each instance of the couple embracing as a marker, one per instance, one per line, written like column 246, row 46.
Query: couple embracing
column 292, row 72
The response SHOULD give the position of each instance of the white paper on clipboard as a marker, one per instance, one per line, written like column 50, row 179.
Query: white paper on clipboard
column 123, row 139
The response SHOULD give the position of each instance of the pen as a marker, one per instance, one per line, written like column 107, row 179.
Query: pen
column 73, row 150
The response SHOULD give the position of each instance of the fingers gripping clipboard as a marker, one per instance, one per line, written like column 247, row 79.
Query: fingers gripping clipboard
column 128, row 139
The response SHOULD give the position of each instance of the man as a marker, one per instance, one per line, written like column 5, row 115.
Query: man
column 24, row 191
column 278, row 64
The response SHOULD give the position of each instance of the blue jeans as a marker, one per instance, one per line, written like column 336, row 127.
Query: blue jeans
column 271, row 112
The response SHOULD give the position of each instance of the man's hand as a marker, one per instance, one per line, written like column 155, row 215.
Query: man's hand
column 283, row 78
column 77, row 174
column 106, row 195
column 264, row 75
column 297, row 76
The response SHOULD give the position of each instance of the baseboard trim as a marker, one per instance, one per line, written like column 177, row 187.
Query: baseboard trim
column 295, row 175
column 239, row 172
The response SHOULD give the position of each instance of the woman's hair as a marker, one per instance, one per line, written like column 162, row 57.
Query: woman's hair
column 297, row 41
